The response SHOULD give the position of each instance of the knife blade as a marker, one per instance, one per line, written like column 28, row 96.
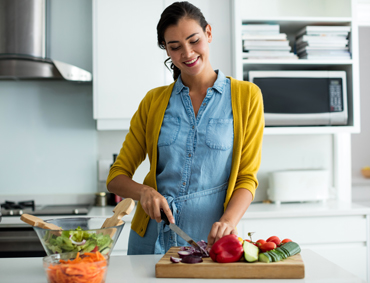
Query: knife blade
column 179, row 232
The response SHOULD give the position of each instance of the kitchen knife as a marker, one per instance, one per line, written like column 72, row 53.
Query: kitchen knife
column 179, row 232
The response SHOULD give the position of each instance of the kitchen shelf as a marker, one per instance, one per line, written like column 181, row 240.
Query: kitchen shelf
column 291, row 25
column 308, row 130
column 297, row 62
column 291, row 17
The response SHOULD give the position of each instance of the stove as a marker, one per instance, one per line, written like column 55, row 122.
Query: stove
column 21, row 240
column 10, row 208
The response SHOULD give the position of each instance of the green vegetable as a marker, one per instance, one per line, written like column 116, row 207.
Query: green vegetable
column 284, row 251
column 63, row 243
column 264, row 257
column 250, row 251
column 291, row 248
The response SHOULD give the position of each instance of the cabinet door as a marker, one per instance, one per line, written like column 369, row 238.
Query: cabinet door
column 127, row 61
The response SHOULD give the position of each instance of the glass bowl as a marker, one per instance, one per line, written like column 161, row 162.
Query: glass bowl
column 80, row 234
column 67, row 271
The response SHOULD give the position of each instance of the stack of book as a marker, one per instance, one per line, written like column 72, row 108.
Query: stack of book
column 323, row 42
column 264, row 41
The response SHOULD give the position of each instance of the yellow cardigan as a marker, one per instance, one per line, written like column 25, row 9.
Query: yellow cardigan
column 142, row 139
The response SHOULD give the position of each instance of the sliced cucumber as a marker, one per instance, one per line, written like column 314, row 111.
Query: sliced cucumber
column 274, row 255
column 283, row 254
column 264, row 257
column 291, row 248
column 250, row 252
column 280, row 253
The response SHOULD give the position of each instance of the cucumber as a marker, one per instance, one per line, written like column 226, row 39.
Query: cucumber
column 291, row 248
column 274, row 255
column 264, row 257
column 280, row 253
column 283, row 253
column 250, row 252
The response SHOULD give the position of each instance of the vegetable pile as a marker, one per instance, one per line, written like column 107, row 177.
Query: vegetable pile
column 231, row 248
column 77, row 241
column 89, row 267
column 270, row 250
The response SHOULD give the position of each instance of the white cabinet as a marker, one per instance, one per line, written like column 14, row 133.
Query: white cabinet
column 293, row 16
column 127, row 61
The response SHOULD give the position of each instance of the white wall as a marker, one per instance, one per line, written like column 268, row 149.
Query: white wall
column 47, row 132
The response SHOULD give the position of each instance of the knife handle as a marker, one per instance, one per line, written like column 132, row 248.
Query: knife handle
column 164, row 217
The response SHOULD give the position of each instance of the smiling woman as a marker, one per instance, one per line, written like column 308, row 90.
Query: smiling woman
column 203, row 135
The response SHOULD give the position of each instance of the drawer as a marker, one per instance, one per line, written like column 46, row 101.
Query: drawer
column 308, row 230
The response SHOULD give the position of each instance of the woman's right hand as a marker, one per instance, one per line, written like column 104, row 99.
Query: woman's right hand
column 152, row 202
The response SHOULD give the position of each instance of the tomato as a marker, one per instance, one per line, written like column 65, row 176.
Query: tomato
column 260, row 242
column 286, row 241
column 268, row 246
column 274, row 239
column 95, row 249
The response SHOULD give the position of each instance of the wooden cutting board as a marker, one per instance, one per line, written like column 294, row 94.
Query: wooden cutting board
column 290, row 268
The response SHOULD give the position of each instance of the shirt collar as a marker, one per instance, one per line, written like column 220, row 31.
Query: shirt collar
column 219, row 84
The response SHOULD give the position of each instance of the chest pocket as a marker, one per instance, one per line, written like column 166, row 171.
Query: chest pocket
column 220, row 134
column 169, row 131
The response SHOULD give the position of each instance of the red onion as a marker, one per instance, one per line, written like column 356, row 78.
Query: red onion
column 191, row 259
column 175, row 259
column 77, row 243
column 184, row 253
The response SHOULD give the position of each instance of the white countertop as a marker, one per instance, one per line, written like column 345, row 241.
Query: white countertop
column 255, row 211
column 141, row 269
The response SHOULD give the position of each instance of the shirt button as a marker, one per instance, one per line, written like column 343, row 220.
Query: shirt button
column 189, row 154
column 204, row 104
column 183, row 183
column 193, row 127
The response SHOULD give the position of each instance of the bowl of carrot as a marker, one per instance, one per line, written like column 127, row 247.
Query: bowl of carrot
column 76, row 268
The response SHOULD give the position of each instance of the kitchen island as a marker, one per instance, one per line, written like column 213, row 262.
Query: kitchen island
column 141, row 269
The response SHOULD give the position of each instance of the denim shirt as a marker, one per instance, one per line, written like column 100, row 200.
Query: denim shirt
column 194, row 153
column 194, row 164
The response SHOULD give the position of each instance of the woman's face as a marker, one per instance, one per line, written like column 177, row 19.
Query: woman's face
column 187, row 45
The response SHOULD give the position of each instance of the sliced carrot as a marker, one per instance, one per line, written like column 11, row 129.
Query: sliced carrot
column 82, row 269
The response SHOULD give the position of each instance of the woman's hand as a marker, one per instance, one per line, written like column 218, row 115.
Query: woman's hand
column 218, row 230
column 239, row 202
column 152, row 202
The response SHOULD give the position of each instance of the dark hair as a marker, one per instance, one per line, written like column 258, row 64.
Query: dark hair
column 171, row 16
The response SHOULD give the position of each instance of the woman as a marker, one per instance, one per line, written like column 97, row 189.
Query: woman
column 203, row 136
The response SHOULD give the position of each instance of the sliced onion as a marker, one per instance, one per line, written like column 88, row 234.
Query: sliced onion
column 203, row 248
column 77, row 243
column 184, row 253
column 187, row 248
column 175, row 259
column 191, row 259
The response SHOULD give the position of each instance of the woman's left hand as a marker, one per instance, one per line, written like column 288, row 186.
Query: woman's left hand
column 218, row 230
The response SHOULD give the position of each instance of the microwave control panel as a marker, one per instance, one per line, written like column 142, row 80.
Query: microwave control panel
column 335, row 94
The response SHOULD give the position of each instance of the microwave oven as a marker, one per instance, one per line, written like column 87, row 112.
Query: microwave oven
column 303, row 98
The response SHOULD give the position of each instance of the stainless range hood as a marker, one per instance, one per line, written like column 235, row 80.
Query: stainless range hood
column 23, row 44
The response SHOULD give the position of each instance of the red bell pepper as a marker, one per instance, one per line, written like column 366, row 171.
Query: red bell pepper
column 227, row 249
